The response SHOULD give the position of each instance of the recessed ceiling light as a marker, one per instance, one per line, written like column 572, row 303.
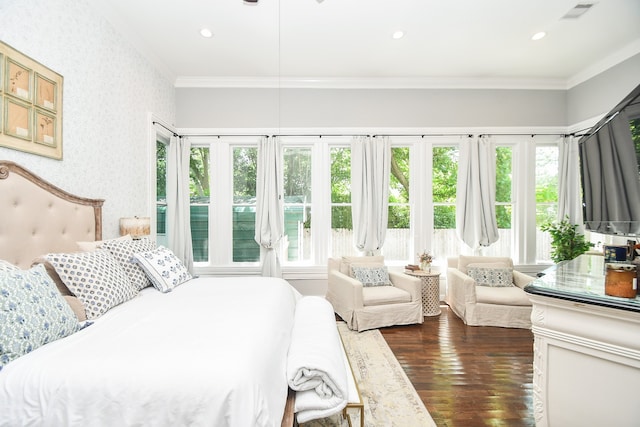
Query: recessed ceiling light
column 538, row 36
column 398, row 34
column 205, row 32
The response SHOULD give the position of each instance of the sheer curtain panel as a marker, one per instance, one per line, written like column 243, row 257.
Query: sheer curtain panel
column 178, row 203
column 569, row 200
column 476, row 223
column 269, row 205
column 370, row 169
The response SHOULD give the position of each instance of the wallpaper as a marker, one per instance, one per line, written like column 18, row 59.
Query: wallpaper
column 109, row 90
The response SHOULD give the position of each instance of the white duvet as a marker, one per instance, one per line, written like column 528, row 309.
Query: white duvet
column 211, row 352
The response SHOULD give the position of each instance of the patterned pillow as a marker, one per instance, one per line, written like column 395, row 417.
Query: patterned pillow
column 495, row 277
column 32, row 313
column 163, row 267
column 7, row 266
column 96, row 278
column 123, row 251
column 97, row 244
column 371, row 275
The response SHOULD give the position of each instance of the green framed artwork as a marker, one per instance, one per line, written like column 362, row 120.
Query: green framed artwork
column 30, row 105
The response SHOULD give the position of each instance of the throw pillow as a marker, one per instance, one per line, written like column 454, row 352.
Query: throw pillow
column 97, row 244
column 51, row 271
column 7, row 266
column 123, row 251
column 163, row 267
column 346, row 261
column 496, row 277
column 371, row 275
column 32, row 313
column 76, row 305
column 96, row 278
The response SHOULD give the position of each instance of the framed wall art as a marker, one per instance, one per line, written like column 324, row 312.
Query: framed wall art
column 30, row 105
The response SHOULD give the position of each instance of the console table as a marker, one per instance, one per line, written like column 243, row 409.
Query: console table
column 586, row 366
column 430, row 291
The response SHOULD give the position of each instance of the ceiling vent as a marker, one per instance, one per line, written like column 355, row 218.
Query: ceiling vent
column 578, row 10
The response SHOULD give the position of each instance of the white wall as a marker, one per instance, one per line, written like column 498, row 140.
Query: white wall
column 108, row 90
column 373, row 108
column 598, row 95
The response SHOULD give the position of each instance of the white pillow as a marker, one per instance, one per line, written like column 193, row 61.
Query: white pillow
column 163, row 267
column 346, row 261
column 123, row 251
column 92, row 246
column 96, row 278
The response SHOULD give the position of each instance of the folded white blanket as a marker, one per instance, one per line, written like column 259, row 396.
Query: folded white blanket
column 315, row 364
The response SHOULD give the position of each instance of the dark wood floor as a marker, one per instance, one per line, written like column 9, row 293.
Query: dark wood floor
column 467, row 375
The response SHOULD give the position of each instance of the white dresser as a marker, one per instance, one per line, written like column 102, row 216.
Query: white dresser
column 586, row 369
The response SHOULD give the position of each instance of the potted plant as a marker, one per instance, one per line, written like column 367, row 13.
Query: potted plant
column 566, row 242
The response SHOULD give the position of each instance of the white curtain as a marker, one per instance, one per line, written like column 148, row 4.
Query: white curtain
column 569, row 200
column 370, row 169
column 269, row 205
column 476, row 223
column 178, row 203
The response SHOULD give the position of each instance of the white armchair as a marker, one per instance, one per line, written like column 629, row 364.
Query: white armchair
column 371, row 307
column 476, row 305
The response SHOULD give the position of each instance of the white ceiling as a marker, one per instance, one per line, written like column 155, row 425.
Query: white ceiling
column 349, row 43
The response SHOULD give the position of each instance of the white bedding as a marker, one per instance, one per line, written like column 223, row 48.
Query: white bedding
column 211, row 352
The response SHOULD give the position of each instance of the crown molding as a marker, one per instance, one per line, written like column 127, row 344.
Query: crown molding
column 610, row 61
column 369, row 83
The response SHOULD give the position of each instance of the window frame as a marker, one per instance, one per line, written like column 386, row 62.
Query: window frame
column 421, row 203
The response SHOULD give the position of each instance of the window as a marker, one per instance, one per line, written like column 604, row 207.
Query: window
column 504, row 204
column 161, row 192
column 199, row 194
column 341, row 221
column 546, row 197
column 245, row 166
column 297, row 204
column 397, row 243
column 316, row 177
column 445, row 181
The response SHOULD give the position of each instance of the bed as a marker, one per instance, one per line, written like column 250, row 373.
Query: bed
column 210, row 351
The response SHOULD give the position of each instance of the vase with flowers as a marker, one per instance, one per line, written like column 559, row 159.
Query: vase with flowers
column 425, row 259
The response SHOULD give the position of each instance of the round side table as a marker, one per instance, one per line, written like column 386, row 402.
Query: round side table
column 430, row 291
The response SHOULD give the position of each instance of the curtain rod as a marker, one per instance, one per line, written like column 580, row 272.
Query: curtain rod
column 421, row 135
column 197, row 134
column 163, row 126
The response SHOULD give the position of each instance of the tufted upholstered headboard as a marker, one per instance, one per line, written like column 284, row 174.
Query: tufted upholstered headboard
column 37, row 217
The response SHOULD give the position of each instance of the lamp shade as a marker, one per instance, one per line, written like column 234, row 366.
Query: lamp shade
column 135, row 226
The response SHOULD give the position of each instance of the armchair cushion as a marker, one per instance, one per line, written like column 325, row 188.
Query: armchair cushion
column 502, row 296
column 371, row 275
column 492, row 276
column 383, row 295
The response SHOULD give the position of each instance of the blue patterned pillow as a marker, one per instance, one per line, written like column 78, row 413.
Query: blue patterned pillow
column 123, row 251
column 96, row 278
column 371, row 275
column 32, row 313
column 495, row 277
column 7, row 266
column 163, row 267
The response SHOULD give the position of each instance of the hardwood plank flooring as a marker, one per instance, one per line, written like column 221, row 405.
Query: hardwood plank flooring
column 467, row 376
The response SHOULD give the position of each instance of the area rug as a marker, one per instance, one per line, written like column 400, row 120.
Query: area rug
column 388, row 395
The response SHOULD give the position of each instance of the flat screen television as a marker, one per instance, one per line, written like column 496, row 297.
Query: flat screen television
column 609, row 159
